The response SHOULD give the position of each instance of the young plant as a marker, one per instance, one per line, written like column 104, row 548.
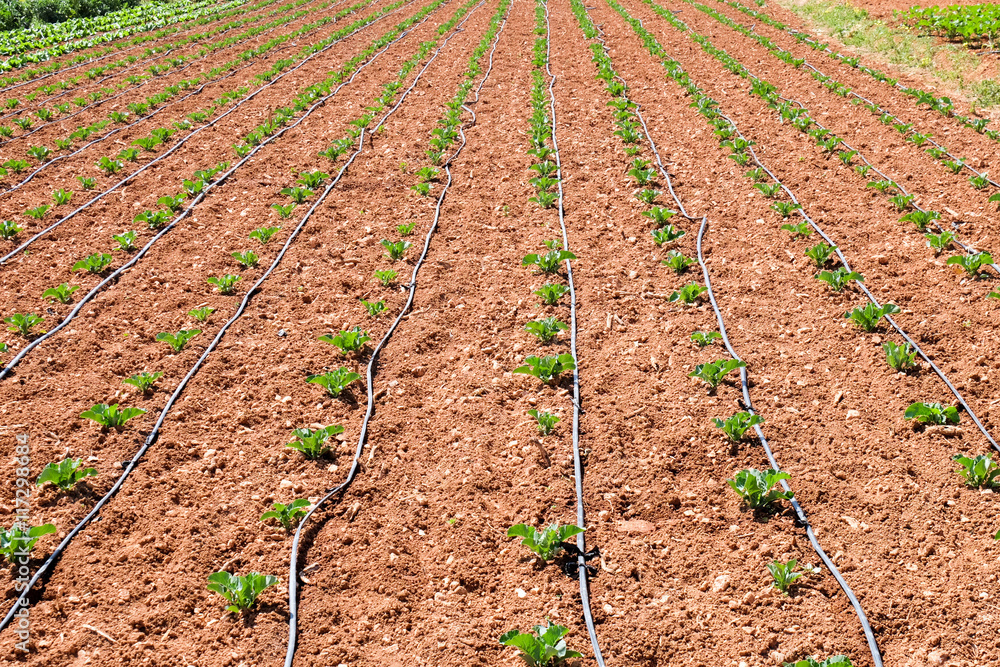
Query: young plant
column 647, row 196
column 407, row 229
column 312, row 179
column 704, row 339
column 153, row 219
column 247, row 259
column 785, row 208
column 395, row 251
column 38, row 212
column 839, row 278
column 548, row 542
column 784, row 574
column 901, row 202
column 87, row 182
column 883, row 187
column 980, row 182
column 736, row 426
column 109, row 416
column 40, row 153
column 374, row 308
column 688, row 294
column 242, row 592
column 980, row 472
column 65, row 474
column 939, row 242
column 550, row 293
column 109, row 166
column 659, row 215
column 335, row 382
column 284, row 211
column 63, row 293
column 932, row 413
column 297, row 195
column 9, row 230
column 386, row 277
column 667, row 234
column 834, row 661
column 546, row 328
column 921, row 218
column 545, row 648
column 755, row 487
column 312, row 444
column 179, row 340
column 846, row 156
column 677, row 261
column 21, row 540
column 201, row 314
column 971, row 262
column 868, row 317
column 23, row 324
column 549, row 262
column 172, row 202
column 264, row 234
column 62, row 196
column 143, row 381
column 288, row 514
column 347, row 341
column 713, row 372
column 225, row 284
column 545, row 421
column 129, row 154
column 820, row 254
column 547, row 368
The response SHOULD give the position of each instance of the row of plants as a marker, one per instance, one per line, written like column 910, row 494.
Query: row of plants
column 973, row 25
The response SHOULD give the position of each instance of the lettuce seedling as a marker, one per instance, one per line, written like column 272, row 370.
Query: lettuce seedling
column 544, row 199
column 386, row 277
column 677, row 261
column 768, row 190
column 545, row 648
column 335, row 382
column 179, row 340
column 95, row 264
column 839, row 278
column 846, row 156
column 820, row 254
column 423, row 189
column 143, row 381
column 347, row 341
column 971, row 262
column 546, row 421
column 980, row 472
column 705, row 338
column 407, row 229
column 153, row 219
column 939, row 242
column 312, row 179
column 549, row 262
column 980, row 182
column 242, row 592
column 659, row 215
column 16, row 166
column 40, row 153
column 668, row 234
column 835, row 661
column 23, row 324
column 546, row 328
column 551, row 293
column 801, row 229
column 65, row 474
column 883, row 186
column 921, row 218
column 932, row 413
column 784, row 574
column 125, row 241
column 547, row 368
column 21, row 539
column 225, row 284
column 109, row 166
column 868, row 317
column 688, row 294
column 754, row 487
column 297, row 195
column 38, row 212
column 109, row 416
column 374, row 308
column 736, row 426
column 287, row 514
column 172, row 202
column 311, row 443
column 757, row 174
column 547, row 543
column 62, row 196
column 647, row 196
column 193, row 188
column 201, row 314
column 395, row 251
column 900, row 358
column 129, row 154
column 995, row 198
column 264, row 234
column 994, row 295
column 901, row 202
column 785, row 208
column 714, row 372
column 63, row 293
column 9, row 230
column 247, row 259
column 284, row 211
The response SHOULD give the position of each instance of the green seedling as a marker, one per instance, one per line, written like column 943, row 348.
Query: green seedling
column 668, row 234
column 312, row 179
column 201, row 314
column 994, row 295
column 971, row 262
column 835, row 661
column 549, row 262
column 335, row 382
column 545, row 648
column 40, row 153
column 21, row 540
column 109, row 166
column 954, row 166
column 868, row 317
column 902, row 202
column 547, row 368
column 312, row 444
column 405, row 230
column 545, row 421
column 647, row 196
column 23, row 324
column 939, row 242
column 193, row 188
column 900, row 358
column 395, row 251
column 547, row 543
column 172, row 202
column 423, row 189
column 995, row 198
column 129, row 154
column 883, row 186
column 755, row 487
column 143, row 381
column 38, row 212
column 839, row 278
column 546, row 328
column 770, row 191
column 347, row 341
column 785, row 208
column 153, row 219
column 921, row 218
column 980, row 472
column 713, row 373
column 688, row 294
column 9, row 230
column 62, row 196
column 247, row 259
column 863, row 169
column 736, row 426
column 63, row 293
column 242, row 592
column 659, row 215
column 784, row 574
column 374, row 308
column 932, row 413
column 386, row 277
column 264, row 234
column 284, row 211
column 980, row 182
column 16, row 166
column 846, row 156
column 550, row 293
column 677, row 261
column 757, row 174
column 287, row 514
column 65, row 474
column 109, row 416
column 704, row 339
column 642, row 177
column 225, row 284
column 87, row 182
column 545, row 199
column 820, row 253
column 179, row 340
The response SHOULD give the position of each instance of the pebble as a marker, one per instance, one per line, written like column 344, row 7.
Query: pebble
column 209, row 454
column 520, row 593
column 285, row 484
column 853, row 414
column 721, row 583
column 608, row 609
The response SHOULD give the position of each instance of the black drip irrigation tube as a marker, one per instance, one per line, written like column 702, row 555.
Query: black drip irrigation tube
column 581, row 545
column 22, row 600
column 293, row 568
column 150, row 115
column 800, row 513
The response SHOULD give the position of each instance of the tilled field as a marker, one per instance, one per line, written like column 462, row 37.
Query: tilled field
column 392, row 167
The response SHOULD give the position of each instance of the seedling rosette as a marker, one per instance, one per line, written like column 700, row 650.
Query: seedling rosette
column 547, row 368
column 900, row 358
column 704, row 339
column 242, row 592
column 978, row 472
column 65, row 474
column 143, row 381
column 544, row 648
column 335, row 382
column 714, row 372
column 688, row 294
column 546, row 421
column 549, row 262
column 110, row 416
column 548, row 542
column 550, row 293
column 868, row 317
column 755, row 487
column 839, row 278
column 347, row 341
column 784, row 574
column 932, row 413
column 287, row 514
column 312, row 444
column 179, row 340
column 546, row 328
column 23, row 324
column 736, row 426
column 20, row 539
column 971, row 262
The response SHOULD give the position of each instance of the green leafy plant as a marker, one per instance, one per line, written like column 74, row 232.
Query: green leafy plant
column 312, row 444
column 900, row 358
column 225, row 284
column 839, row 278
column 939, row 242
column 883, row 186
column 971, row 262
column 312, row 179
column 755, row 487
column 704, row 339
column 736, row 426
column 38, row 212
column 284, row 211
column 932, row 413
column 820, row 254
column 785, row 208
column 62, row 196
column 264, row 234
column 405, row 230
column 109, row 416
column 667, row 234
column 143, row 381
column 23, row 324
column 242, row 592
column 846, row 156
column 659, row 215
column 549, row 262
column 21, row 539
column 921, row 218
column 544, row 648
column 63, row 293
column 125, row 241
column 545, row 421
column 201, row 314
column 647, row 196
column 347, row 341
column 981, row 181
column 129, row 154
column 784, row 574
column 901, row 202
column 713, row 372
column 547, row 368
column 978, row 472
column 546, row 328
column 109, row 166
column 172, row 202
column 550, row 293
column 288, row 514
column 688, row 294
column 677, row 261
column 835, row 661
column 547, row 543
column 868, row 317
column 335, row 382
column 40, row 153
column 247, row 259
column 769, row 190
column 297, row 195
column 374, row 308
column 16, row 166
column 386, row 277
column 395, row 251
column 179, row 340
column 153, row 219
column 9, row 230
column 65, row 474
